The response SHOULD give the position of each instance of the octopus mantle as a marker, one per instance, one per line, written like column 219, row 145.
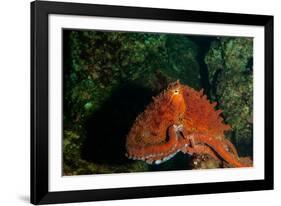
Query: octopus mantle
column 180, row 119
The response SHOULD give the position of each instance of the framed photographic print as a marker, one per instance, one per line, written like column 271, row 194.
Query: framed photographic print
column 131, row 102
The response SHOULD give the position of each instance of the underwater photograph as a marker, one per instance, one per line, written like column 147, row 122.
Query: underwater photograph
column 144, row 102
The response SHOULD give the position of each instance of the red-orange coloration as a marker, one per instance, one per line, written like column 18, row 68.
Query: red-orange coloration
column 180, row 119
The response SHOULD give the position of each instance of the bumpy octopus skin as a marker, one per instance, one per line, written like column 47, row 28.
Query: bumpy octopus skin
column 180, row 119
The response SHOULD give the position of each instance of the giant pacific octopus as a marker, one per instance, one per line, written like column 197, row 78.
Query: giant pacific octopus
column 180, row 119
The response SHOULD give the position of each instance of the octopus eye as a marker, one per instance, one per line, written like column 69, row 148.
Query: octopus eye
column 176, row 91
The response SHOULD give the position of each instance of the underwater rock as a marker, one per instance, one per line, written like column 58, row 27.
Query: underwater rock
column 182, row 63
column 97, row 62
column 204, row 161
column 230, row 67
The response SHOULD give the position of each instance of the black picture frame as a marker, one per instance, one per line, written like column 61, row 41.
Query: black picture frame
column 39, row 102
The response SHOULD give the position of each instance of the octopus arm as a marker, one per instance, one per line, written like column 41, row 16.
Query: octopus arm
column 218, row 147
column 200, row 149
column 155, row 152
column 231, row 147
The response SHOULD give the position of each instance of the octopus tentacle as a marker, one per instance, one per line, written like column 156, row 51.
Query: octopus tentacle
column 217, row 146
column 193, row 147
column 153, row 153
column 231, row 147
column 200, row 149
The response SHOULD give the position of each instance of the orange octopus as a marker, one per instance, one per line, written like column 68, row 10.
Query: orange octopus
column 180, row 119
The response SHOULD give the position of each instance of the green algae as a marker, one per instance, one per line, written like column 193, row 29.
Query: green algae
column 230, row 67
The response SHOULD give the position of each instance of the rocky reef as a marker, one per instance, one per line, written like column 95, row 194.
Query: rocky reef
column 230, row 65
